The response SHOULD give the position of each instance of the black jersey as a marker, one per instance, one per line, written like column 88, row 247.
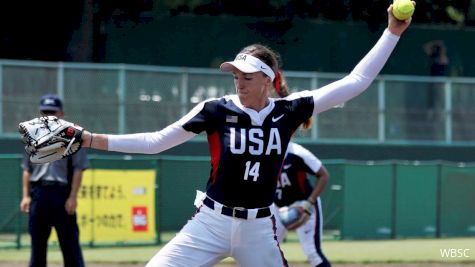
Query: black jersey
column 247, row 147
column 293, row 184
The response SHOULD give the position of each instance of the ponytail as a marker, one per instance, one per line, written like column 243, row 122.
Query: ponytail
column 280, row 84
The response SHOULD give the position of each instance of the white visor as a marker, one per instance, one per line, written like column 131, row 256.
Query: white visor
column 248, row 64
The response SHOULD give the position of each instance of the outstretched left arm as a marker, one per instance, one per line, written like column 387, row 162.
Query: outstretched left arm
column 147, row 143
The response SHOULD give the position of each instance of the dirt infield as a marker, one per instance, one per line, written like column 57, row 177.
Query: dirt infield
column 12, row 264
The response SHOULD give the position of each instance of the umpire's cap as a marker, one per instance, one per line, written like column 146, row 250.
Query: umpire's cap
column 51, row 102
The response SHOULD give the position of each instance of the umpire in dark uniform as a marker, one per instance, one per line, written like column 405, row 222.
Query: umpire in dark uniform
column 50, row 197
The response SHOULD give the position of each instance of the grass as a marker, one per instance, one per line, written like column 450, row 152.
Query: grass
column 399, row 251
column 371, row 251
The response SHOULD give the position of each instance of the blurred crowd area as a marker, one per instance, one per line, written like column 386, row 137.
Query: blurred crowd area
column 461, row 12
column 20, row 21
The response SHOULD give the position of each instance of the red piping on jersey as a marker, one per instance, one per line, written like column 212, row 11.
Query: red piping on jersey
column 215, row 151
column 301, row 176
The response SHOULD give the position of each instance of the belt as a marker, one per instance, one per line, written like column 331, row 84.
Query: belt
column 48, row 183
column 240, row 213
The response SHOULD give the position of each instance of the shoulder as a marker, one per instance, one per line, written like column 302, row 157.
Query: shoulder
column 296, row 100
column 203, row 107
column 297, row 96
column 208, row 110
column 301, row 151
column 295, row 148
column 211, row 103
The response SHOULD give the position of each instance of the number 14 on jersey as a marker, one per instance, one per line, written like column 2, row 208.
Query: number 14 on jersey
column 252, row 170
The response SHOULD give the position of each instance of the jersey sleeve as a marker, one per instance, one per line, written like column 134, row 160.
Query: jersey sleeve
column 302, row 103
column 80, row 160
column 193, row 123
column 201, row 117
column 26, row 164
column 150, row 143
column 312, row 163
column 359, row 79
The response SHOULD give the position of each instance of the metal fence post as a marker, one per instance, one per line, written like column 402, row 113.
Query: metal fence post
column 381, row 110
column 448, row 111
column 60, row 80
column 314, row 130
column 184, row 92
column 122, row 92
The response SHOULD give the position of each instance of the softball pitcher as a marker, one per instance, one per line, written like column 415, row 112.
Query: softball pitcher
column 248, row 134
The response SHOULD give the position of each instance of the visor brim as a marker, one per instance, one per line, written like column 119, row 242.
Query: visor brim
column 240, row 65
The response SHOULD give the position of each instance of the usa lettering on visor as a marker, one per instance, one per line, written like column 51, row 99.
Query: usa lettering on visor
column 256, row 63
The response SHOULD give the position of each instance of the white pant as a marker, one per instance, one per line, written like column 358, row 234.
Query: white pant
column 209, row 237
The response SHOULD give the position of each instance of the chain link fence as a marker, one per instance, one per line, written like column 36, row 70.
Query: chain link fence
column 119, row 98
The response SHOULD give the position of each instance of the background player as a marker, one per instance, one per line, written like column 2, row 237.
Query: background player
column 293, row 186
column 50, row 197
column 248, row 134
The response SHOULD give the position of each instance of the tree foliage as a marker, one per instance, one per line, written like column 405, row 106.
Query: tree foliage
column 373, row 12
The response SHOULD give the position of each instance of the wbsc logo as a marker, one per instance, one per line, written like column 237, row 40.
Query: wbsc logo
column 455, row 253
